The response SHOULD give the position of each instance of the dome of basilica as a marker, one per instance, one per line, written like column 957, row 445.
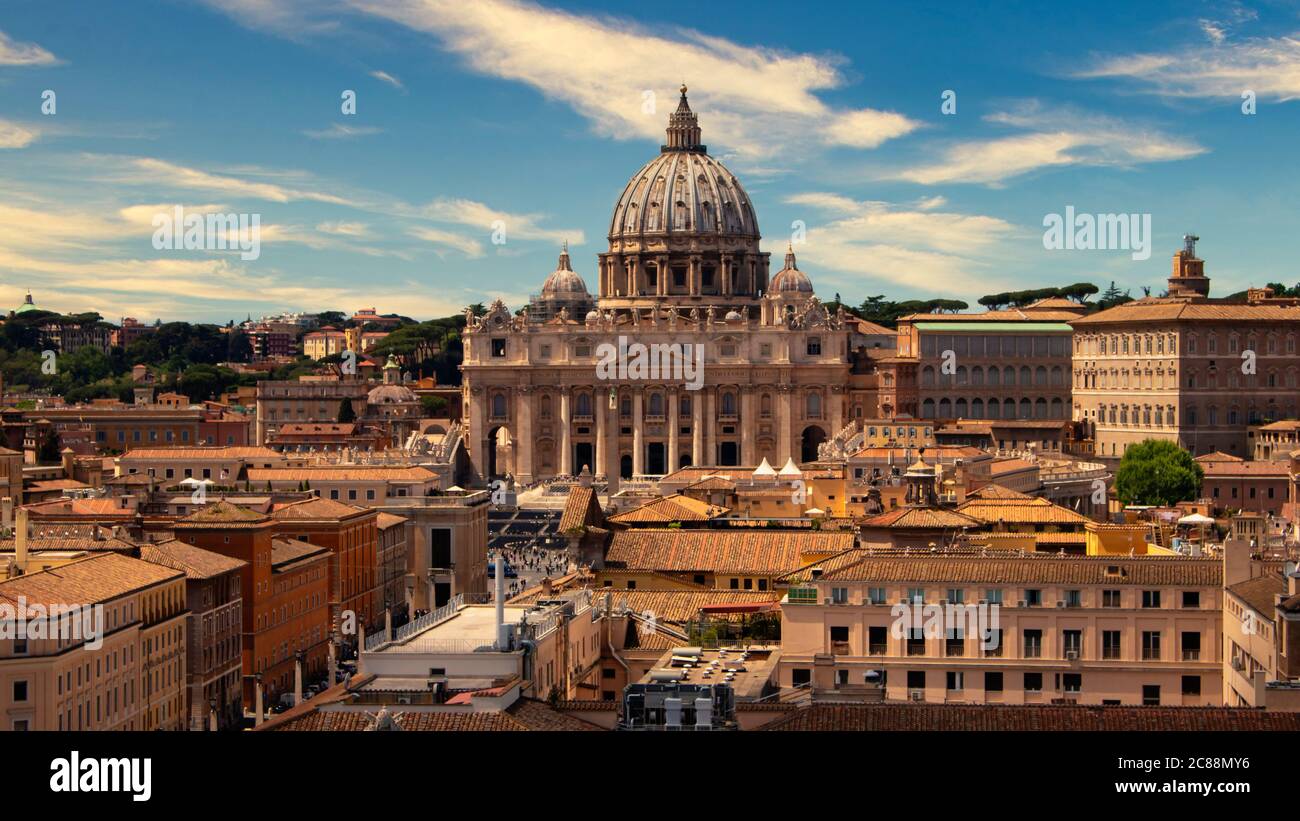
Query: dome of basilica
column 683, row 192
column 790, row 279
column 564, row 282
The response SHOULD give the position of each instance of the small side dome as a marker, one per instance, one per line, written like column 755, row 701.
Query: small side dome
column 790, row 279
column 563, row 282
column 593, row 315
column 734, row 316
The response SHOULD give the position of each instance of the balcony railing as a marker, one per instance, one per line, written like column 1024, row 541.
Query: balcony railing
column 839, row 648
column 877, row 649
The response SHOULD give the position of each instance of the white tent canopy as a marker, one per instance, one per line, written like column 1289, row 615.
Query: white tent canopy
column 764, row 469
column 791, row 469
column 1196, row 519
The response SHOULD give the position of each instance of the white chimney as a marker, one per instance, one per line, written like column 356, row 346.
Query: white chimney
column 7, row 513
column 499, row 599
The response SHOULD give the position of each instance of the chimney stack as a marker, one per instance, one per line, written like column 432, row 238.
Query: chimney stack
column 7, row 513
column 20, row 541
column 1236, row 561
column 499, row 599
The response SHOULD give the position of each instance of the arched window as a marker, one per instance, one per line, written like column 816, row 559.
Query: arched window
column 546, row 406
column 656, row 404
column 765, row 405
column 814, row 405
column 927, row 409
column 583, row 404
column 995, row 408
column 945, row 408
column 728, row 404
column 977, row 408
column 961, row 409
column 927, row 377
column 498, row 405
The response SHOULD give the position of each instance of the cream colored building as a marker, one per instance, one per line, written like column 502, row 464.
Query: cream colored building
column 134, row 680
column 1087, row 630
column 1186, row 368
column 683, row 268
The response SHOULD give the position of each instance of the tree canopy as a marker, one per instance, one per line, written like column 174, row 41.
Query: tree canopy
column 1157, row 472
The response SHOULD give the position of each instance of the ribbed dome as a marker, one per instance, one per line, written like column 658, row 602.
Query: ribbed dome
column 790, row 278
column 390, row 395
column 683, row 191
column 564, row 282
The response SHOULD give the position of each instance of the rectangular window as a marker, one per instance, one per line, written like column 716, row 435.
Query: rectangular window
column 1110, row 644
column 1033, row 682
column 1151, row 645
column 1150, row 695
column 877, row 641
column 1191, row 599
column 1072, row 642
column 1033, row 598
column 956, row 680
column 1191, row 685
column 1110, row 598
column 1033, row 644
column 1072, row 682
column 1150, row 598
column 992, row 682
column 876, row 595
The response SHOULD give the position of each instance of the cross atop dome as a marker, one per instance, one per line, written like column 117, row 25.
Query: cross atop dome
column 684, row 128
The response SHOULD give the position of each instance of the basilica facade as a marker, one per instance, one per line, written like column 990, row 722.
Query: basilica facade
column 683, row 269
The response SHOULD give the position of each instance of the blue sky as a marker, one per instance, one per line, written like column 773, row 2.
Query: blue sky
column 536, row 116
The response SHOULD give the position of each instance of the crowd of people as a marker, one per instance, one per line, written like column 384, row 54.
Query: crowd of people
column 530, row 562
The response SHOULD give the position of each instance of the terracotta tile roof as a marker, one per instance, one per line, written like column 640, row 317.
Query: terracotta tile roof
column 56, row 484
column 1259, row 593
column 719, row 551
column 712, row 483
column 905, row 456
column 195, row 561
column 224, row 514
column 80, row 507
column 317, row 509
column 1021, row 511
column 387, row 520
column 581, row 509
column 1285, row 424
column 1175, row 310
column 1218, row 456
column 679, row 606
column 675, row 508
column 287, row 552
column 94, row 579
column 351, row 473
column 920, row 518
column 947, row 717
column 868, row 328
column 48, row 539
column 1274, row 470
column 995, row 491
column 864, row 564
column 193, row 454
column 524, row 715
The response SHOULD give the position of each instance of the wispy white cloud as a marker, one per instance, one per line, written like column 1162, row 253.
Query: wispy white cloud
column 902, row 245
column 338, row 131
column 13, row 135
column 162, row 174
column 14, row 53
column 486, row 218
column 1050, row 138
column 1223, row 67
column 444, row 240
column 754, row 101
column 384, row 76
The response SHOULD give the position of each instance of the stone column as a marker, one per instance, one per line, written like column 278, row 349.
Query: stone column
column 524, row 443
column 671, row 459
column 697, row 275
column 748, row 422
column 697, row 427
column 724, row 271
column 566, row 450
column 837, row 410
column 638, row 434
column 661, row 263
column 478, row 430
column 785, row 393
column 600, row 407
column 711, row 416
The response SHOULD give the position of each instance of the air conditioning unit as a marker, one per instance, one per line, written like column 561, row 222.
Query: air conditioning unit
column 828, row 600
column 1060, row 604
column 916, row 695
column 1022, row 603
column 943, row 602
column 983, row 602
column 1071, row 655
